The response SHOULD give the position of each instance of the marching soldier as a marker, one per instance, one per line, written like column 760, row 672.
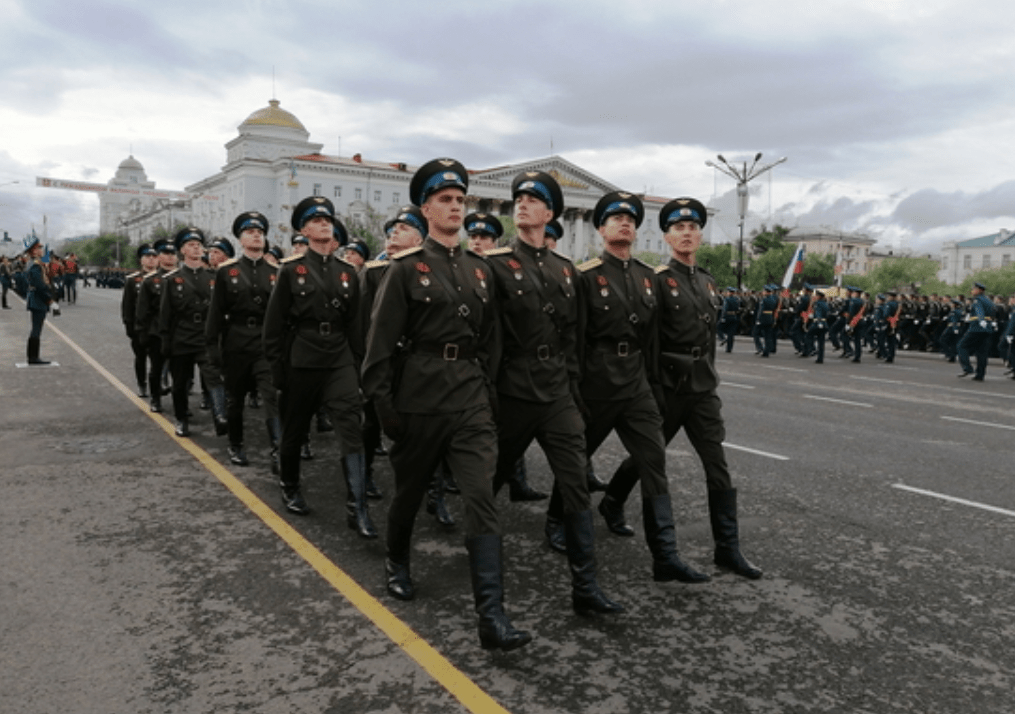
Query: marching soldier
column 730, row 318
column 313, row 343
column 891, row 314
column 797, row 329
column 853, row 314
column 768, row 308
column 185, row 299
column 538, row 374
column 243, row 287
column 689, row 381
column 818, row 327
column 148, row 259
column 427, row 368
column 619, row 386
column 976, row 341
column 146, row 318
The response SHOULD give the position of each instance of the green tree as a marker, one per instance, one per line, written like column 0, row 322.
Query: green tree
column 103, row 251
column 999, row 281
column 763, row 240
column 770, row 267
column 903, row 273
column 649, row 257
column 716, row 259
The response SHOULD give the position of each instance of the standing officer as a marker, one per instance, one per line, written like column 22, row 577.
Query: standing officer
column 185, row 300
column 687, row 372
column 146, row 317
column 818, row 327
column 41, row 295
column 313, row 343
column 148, row 259
column 243, row 287
column 800, row 309
column 538, row 373
column 977, row 338
column 730, row 317
column 427, row 368
column 765, row 320
column 619, row 386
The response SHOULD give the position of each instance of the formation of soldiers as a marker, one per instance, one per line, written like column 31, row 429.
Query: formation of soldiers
column 462, row 357
column 958, row 327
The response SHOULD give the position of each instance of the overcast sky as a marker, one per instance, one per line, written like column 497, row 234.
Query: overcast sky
column 896, row 116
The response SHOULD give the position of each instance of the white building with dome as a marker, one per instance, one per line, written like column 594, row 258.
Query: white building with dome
column 114, row 207
column 272, row 164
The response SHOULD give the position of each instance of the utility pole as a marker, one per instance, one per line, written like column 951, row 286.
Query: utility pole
column 743, row 176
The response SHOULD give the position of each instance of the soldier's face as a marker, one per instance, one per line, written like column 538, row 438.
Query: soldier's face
column 353, row 256
column 252, row 239
column 684, row 237
column 530, row 212
column 320, row 230
column 192, row 250
column 402, row 237
column 216, row 257
column 480, row 243
column 167, row 260
column 300, row 248
column 618, row 229
column 445, row 210
column 148, row 262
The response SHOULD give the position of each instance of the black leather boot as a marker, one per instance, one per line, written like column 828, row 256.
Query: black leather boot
column 586, row 597
column 237, row 455
column 399, row 580
column 495, row 629
column 306, row 453
column 182, row 428
column 292, row 497
column 218, row 410
column 274, row 438
column 722, row 513
column 555, row 538
column 595, row 483
column 373, row 492
column 358, row 514
column 661, row 537
column 396, row 565
column 324, row 422
column 518, row 485
column 612, row 512
column 33, row 352
column 435, row 505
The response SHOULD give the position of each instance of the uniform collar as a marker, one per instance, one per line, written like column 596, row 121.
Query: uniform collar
column 436, row 246
column 678, row 266
column 610, row 259
column 530, row 250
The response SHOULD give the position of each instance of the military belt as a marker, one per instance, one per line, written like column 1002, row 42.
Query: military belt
column 622, row 348
column 448, row 351
column 321, row 328
column 198, row 317
column 540, row 352
column 695, row 352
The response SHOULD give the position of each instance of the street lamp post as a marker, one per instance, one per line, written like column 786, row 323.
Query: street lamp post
column 743, row 176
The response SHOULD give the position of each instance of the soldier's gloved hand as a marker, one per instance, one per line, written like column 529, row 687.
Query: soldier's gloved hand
column 579, row 402
column 391, row 420
column 660, row 394
column 983, row 324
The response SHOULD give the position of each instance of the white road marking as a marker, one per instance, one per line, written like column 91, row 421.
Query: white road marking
column 981, row 394
column 784, row 369
column 964, row 502
column 838, row 401
column 767, row 454
column 891, row 381
column 979, row 423
column 734, row 384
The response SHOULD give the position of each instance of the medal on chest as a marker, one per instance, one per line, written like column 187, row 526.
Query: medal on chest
column 648, row 286
column 345, row 280
column 604, row 289
column 423, row 269
column 481, row 277
column 567, row 275
column 179, row 284
column 672, row 285
column 301, row 271
column 517, row 267
column 233, row 275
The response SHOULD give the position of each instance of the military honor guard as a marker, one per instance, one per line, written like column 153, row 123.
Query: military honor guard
column 729, row 318
column 483, row 231
column 620, row 388
column 243, row 287
column 41, row 296
column 890, row 316
column 768, row 310
column 146, row 318
column 797, row 330
column 148, row 259
column 538, row 372
column 976, row 341
column 186, row 295
column 428, row 371
column 817, row 327
column 313, row 343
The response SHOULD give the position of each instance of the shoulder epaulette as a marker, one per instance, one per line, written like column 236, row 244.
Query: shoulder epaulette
column 291, row 258
column 407, row 251
column 661, row 268
column 506, row 250
column 154, row 272
column 346, row 262
column 132, row 275
column 174, row 271
column 590, row 264
column 642, row 263
column 228, row 262
column 374, row 264
column 705, row 271
column 561, row 255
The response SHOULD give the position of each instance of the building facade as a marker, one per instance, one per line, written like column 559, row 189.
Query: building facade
column 852, row 251
column 960, row 259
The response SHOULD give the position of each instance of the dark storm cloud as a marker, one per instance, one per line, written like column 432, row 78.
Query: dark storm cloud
column 929, row 208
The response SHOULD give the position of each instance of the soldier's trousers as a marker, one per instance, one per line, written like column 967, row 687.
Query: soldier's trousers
column 558, row 428
column 240, row 373
column 308, row 390
column 978, row 344
column 700, row 415
column 140, row 349
column 181, row 367
column 467, row 442
column 158, row 363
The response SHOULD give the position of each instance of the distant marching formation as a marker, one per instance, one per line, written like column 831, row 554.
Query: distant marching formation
column 957, row 327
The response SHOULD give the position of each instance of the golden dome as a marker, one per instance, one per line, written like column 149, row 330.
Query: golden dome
column 273, row 115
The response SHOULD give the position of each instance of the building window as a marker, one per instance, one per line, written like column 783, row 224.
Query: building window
column 967, row 262
column 338, row 191
column 396, row 198
column 986, row 260
column 317, row 189
column 1005, row 259
column 944, row 263
column 359, row 194
column 377, row 197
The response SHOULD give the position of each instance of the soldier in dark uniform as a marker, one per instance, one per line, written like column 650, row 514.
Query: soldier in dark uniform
column 146, row 317
column 538, row 374
column 730, row 318
column 553, row 233
column 689, row 379
column 976, row 341
column 243, row 287
column 765, row 320
column 148, row 259
column 890, row 316
column 313, row 343
column 817, row 327
column 797, row 328
column 186, row 296
column 427, row 368
column 41, row 296
column 620, row 385
column 852, row 315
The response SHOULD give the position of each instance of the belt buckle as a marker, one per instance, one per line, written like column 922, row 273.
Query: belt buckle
column 450, row 352
column 623, row 349
column 696, row 352
column 198, row 317
column 543, row 352
column 251, row 322
column 324, row 328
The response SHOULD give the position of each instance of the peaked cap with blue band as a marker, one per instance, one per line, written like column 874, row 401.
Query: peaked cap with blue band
column 618, row 202
column 541, row 185
column 145, row 249
column 412, row 217
column 299, row 238
column 483, row 224
column 436, row 175
column 682, row 209
column 341, row 234
column 554, row 230
column 31, row 242
column 163, row 245
column 225, row 246
column 311, row 207
column 250, row 219
column 188, row 234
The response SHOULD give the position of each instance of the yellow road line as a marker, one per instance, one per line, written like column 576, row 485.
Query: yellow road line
column 458, row 685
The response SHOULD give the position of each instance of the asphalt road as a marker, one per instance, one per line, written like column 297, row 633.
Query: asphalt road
column 139, row 576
